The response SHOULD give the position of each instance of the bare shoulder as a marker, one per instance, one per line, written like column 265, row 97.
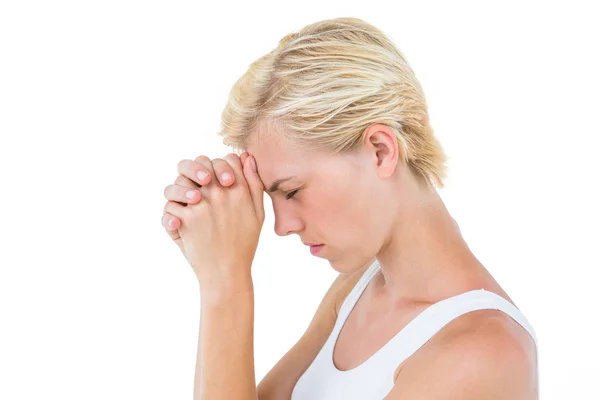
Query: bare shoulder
column 482, row 354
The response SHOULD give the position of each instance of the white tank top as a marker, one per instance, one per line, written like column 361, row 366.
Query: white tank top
column 374, row 378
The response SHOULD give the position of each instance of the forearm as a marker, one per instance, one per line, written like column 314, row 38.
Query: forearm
column 225, row 359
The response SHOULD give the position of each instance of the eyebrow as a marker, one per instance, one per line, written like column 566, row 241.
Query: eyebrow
column 275, row 185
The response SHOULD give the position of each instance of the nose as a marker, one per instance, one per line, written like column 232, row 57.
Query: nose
column 285, row 222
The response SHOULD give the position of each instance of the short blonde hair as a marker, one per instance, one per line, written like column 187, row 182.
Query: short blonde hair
column 324, row 85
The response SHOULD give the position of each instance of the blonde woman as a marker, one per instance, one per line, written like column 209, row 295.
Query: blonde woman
column 334, row 126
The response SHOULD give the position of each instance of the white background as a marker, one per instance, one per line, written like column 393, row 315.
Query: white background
column 99, row 100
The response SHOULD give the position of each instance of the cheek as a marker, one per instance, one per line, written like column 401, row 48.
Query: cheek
column 337, row 210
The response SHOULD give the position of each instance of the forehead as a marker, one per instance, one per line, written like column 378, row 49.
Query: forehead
column 277, row 159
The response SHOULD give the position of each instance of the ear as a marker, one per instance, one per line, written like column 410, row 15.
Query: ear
column 382, row 140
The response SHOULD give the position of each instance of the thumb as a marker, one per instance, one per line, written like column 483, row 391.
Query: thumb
column 255, row 186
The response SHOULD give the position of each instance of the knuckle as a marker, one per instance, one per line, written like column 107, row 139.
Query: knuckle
column 233, row 159
column 181, row 165
column 183, row 181
column 186, row 168
column 202, row 159
column 217, row 163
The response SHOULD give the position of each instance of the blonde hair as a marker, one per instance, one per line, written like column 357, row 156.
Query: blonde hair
column 324, row 85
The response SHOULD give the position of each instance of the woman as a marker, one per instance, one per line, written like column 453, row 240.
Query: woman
column 333, row 125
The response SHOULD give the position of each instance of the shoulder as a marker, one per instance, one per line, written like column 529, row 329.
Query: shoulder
column 482, row 354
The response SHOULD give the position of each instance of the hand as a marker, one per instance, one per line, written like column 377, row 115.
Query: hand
column 217, row 232
column 177, row 192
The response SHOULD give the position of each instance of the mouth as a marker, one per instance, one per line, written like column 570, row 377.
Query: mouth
column 312, row 244
column 316, row 248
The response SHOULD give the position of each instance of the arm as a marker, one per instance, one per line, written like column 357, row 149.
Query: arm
column 225, row 359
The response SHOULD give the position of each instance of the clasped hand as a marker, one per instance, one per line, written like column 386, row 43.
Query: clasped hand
column 218, row 227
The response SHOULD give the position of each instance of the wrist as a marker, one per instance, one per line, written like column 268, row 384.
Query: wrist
column 220, row 290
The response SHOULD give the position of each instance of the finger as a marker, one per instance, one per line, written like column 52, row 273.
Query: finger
column 235, row 163
column 204, row 164
column 173, row 231
column 186, row 182
column 223, row 171
column 170, row 223
column 177, row 211
column 243, row 157
column 195, row 171
column 255, row 186
column 182, row 194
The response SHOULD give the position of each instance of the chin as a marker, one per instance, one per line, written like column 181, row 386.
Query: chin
column 341, row 268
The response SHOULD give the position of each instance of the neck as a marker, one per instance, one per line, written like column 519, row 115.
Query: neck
column 426, row 258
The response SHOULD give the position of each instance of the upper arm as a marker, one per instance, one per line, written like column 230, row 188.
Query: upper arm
column 279, row 382
column 489, row 363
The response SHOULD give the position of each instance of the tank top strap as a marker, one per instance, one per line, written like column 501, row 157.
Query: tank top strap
column 323, row 380
column 355, row 293
column 435, row 317
column 426, row 324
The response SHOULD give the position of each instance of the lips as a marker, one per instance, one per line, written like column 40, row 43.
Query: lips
column 314, row 250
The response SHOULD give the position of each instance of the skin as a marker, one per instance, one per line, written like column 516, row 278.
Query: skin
column 389, row 214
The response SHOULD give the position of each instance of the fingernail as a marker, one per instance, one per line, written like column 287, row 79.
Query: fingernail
column 171, row 222
column 226, row 176
column 190, row 194
column 201, row 175
column 253, row 163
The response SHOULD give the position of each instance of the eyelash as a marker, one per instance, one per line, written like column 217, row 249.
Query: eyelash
column 291, row 194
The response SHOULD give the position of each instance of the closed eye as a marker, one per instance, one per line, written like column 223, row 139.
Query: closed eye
column 290, row 194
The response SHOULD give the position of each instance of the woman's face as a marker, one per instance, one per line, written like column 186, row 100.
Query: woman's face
column 340, row 201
